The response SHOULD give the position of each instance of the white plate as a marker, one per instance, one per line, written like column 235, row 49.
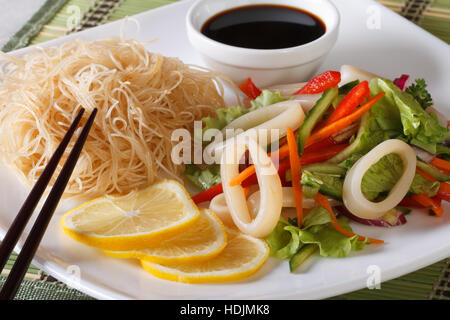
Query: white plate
column 396, row 47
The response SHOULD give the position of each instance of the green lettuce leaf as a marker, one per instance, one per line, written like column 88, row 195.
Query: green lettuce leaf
column 386, row 115
column 369, row 135
column 331, row 242
column 287, row 239
column 419, row 91
column 328, row 184
column 420, row 185
column 266, row 98
column 316, row 216
column 203, row 178
column 383, row 175
column 225, row 116
column 421, row 129
column 282, row 242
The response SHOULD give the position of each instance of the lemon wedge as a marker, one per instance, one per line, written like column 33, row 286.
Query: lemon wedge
column 204, row 239
column 242, row 257
column 133, row 222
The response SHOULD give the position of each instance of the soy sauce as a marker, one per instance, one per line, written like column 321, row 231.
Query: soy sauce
column 264, row 27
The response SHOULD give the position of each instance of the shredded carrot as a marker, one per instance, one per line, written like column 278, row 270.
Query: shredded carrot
column 441, row 164
column 428, row 203
column 311, row 155
column 246, row 173
column 246, row 190
column 340, row 124
column 323, row 201
column 425, row 175
column 282, row 153
column 296, row 172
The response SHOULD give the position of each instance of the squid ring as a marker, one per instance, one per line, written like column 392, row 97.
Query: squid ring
column 354, row 199
column 269, row 183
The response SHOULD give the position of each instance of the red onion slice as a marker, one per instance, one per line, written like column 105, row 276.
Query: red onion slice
column 401, row 82
column 424, row 155
column 401, row 219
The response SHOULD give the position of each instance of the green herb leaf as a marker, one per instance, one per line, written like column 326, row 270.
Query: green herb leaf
column 419, row 91
column 203, row 178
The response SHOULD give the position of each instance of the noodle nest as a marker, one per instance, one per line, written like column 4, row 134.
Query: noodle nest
column 141, row 98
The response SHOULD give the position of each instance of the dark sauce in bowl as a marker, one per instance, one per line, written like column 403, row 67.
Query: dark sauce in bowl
column 264, row 27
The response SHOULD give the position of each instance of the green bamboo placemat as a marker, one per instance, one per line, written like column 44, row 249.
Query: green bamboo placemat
column 59, row 17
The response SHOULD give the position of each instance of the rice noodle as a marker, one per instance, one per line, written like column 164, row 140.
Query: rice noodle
column 141, row 96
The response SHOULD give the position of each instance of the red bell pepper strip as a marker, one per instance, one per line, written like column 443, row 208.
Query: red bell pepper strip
column 310, row 157
column 209, row 194
column 351, row 101
column 410, row 202
column 250, row 89
column 321, row 145
column 321, row 83
column 283, row 167
column 444, row 191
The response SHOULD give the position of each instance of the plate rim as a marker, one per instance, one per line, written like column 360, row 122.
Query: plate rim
column 102, row 291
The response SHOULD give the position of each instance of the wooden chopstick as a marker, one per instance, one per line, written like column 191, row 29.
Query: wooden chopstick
column 20, row 221
column 36, row 234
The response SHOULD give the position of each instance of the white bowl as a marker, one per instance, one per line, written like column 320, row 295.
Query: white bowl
column 265, row 67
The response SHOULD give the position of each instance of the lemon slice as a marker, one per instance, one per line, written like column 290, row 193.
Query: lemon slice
column 242, row 257
column 204, row 239
column 133, row 222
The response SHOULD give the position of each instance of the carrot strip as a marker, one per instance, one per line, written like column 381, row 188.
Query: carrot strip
column 323, row 202
column 425, row 175
column 246, row 190
column 282, row 153
column 244, row 174
column 340, row 124
column 428, row 203
column 441, row 164
column 296, row 171
column 445, row 187
column 444, row 191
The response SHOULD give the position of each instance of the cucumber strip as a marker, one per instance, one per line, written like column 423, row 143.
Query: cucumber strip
column 346, row 88
column 432, row 171
column 301, row 256
column 314, row 116
column 347, row 152
column 337, row 100
column 328, row 168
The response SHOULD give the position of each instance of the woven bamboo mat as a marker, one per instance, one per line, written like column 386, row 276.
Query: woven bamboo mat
column 60, row 17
